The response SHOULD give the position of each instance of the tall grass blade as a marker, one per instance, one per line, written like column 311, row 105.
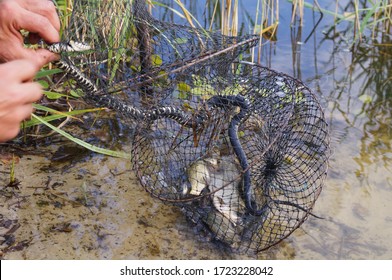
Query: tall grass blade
column 80, row 142
column 56, row 115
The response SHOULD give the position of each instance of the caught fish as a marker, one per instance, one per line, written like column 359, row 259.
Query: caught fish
column 224, row 229
column 222, row 177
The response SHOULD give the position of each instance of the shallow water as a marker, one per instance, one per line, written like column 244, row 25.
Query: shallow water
column 74, row 204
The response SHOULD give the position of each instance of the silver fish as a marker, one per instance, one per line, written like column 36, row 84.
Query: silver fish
column 222, row 177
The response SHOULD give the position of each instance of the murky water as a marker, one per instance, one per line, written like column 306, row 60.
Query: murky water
column 74, row 204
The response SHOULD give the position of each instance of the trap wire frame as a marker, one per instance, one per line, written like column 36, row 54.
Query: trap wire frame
column 190, row 158
column 286, row 143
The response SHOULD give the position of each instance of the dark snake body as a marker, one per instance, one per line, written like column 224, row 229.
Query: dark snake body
column 221, row 101
column 106, row 100
column 244, row 105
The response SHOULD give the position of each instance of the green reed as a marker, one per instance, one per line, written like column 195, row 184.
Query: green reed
column 374, row 19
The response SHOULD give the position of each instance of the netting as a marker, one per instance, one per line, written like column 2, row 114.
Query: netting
column 241, row 149
column 132, row 52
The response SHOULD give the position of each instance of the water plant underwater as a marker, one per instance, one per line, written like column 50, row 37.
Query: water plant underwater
column 198, row 169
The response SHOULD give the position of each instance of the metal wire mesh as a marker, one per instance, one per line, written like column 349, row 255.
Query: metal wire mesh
column 132, row 52
column 245, row 154
column 285, row 139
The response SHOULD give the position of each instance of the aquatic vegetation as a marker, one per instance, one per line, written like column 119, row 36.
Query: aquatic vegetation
column 359, row 19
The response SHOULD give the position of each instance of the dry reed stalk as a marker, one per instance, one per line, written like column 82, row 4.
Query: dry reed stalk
column 229, row 17
column 298, row 8
column 357, row 23
column 267, row 20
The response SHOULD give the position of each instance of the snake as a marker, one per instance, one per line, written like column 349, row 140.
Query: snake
column 244, row 105
column 93, row 92
column 174, row 113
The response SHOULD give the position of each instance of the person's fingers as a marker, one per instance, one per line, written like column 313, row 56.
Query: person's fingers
column 20, row 95
column 28, row 93
column 19, row 114
column 48, row 10
column 31, row 92
column 39, row 24
column 18, row 70
column 18, row 51
column 43, row 56
column 39, row 17
column 16, row 16
column 9, row 131
column 10, row 125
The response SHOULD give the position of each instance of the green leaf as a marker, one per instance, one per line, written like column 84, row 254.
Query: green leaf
column 365, row 20
column 183, row 87
column 55, row 115
column 180, row 41
column 45, row 73
column 53, row 95
column 82, row 143
column 135, row 68
column 44, row 84
column 365, row 98
column 75, row 93
column 156, row 60
column 182, row 95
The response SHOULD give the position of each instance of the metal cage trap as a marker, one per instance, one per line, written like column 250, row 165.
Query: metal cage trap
column 241, row 149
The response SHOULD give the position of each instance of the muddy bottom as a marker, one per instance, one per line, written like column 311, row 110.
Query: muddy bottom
column 69, row 203
column 91, row 207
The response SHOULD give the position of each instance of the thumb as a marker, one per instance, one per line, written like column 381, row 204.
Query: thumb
column 40, row 56
column 44, row 56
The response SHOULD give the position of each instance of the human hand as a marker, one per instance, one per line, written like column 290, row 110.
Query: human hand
column 17, row 93
column 39, row 17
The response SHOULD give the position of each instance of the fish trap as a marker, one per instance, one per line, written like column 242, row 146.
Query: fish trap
column 241, row 149
column 250, row 174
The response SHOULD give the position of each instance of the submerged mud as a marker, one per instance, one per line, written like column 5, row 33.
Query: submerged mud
column 70, row 203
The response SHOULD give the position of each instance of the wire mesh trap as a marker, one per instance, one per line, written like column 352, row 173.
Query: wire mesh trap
column 241, row 149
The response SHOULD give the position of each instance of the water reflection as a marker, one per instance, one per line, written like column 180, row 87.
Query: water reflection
column 354, row 83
